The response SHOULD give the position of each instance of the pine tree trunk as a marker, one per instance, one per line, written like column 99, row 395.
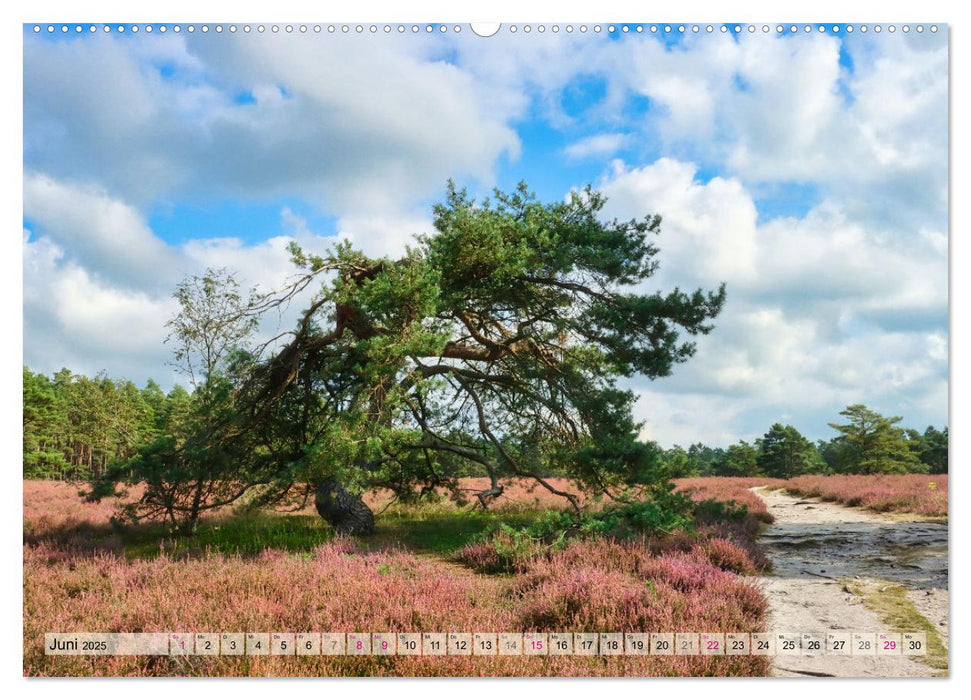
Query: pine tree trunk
column 346, row 512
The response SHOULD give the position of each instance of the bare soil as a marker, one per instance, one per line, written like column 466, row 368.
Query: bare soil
column 816, row 547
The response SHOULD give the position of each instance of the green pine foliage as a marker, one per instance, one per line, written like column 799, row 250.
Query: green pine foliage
column 784, row 453
column 873, row 444
column 494, row 347
column 868, row 444
column 740, row 459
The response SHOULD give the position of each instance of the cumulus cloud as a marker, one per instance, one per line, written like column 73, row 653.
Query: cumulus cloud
column 98, row 282
column 381, row 234
column 861, row 118
column 684, row 419
column 821, row 310
column 521, row 73
column 709, row 228
column 838, row 295
column 353, row 123
column 100, row 232
column 73, row 319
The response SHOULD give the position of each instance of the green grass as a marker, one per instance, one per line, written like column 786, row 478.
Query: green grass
column 435, row 529
column 439, row 531
column 246, row 535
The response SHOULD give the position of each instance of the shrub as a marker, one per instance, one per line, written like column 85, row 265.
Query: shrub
column 505, row 548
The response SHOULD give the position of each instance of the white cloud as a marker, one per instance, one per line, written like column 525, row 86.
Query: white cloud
column 596, row 146
column 760, row 368
column 684, row 419
column 88, row 311
column 354, row 124
column 686, row 82
column 72, row 319
column 710, row 234
column 821, row 312
column 781, row 109
column 862, row 118
column 101, row 232
column 708, row 229
column 265, row 264
column 827, row 255
column 515, row 73
column 384, row 234
column 98, row 283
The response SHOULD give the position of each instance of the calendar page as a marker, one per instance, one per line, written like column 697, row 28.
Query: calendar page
column 519, row 349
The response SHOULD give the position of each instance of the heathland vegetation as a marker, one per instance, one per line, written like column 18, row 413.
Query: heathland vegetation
column 434, row 565
column 428, row 567
column 441, row 443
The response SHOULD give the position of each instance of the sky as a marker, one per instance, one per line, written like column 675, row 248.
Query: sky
column 806, row 171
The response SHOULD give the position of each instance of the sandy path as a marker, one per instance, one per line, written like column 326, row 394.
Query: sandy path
column 814, row 544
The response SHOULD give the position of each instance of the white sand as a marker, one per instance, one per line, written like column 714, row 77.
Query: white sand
column 813, row 545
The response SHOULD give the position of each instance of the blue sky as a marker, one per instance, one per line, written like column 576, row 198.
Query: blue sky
column 808, row 171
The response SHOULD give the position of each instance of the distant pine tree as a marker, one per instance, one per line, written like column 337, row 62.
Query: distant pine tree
column 875, row 444
column 784, row 453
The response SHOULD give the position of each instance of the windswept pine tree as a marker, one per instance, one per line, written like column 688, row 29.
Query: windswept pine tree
column 496, row 341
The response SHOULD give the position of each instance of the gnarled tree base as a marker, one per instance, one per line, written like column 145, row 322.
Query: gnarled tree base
column 346, row 512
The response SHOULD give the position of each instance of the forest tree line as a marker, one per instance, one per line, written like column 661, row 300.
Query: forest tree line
column 76, row 426
column 866, row 443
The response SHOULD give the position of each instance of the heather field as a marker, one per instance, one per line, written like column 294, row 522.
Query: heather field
column 922, row 494
column 917, row 494
column 731, row 490
column 427, row 569
column 430, row 567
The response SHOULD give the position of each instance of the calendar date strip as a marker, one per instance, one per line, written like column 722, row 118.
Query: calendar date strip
column 485, row 644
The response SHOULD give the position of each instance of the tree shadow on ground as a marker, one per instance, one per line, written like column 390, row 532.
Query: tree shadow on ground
column 440, row 533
